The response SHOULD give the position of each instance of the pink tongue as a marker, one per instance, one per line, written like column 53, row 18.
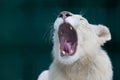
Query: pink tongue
column 66, row 46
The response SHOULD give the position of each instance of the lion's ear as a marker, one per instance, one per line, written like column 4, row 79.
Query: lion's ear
column 103, row 33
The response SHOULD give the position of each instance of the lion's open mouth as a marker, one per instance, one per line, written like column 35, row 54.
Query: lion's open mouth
column 68, row 39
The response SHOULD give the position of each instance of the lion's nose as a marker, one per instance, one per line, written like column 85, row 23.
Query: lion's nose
column 65, row 14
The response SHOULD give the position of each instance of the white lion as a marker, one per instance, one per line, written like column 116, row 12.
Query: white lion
column 77, row 50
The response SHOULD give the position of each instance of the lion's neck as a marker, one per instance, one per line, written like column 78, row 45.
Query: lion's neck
column 79, row 68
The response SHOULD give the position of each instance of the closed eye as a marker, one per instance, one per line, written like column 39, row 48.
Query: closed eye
column 81, row 19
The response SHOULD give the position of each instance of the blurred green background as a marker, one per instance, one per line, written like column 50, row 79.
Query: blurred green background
column 25, row 27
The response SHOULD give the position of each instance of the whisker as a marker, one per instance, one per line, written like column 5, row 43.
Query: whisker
column 48, row 34
column 57, row 11
column 83, row 12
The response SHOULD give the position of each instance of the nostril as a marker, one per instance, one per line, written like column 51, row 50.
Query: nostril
column 60, row 15
column 64, row 14
column 67, row 15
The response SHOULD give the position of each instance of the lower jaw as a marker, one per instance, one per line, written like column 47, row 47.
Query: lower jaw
column 63, row 53
column 67, row 60
column 66, row 55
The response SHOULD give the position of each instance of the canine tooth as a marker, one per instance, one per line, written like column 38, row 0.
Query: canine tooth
column 61, row 33
column 63, row 52
column 71, row 28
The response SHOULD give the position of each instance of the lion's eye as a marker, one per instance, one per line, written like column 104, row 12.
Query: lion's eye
column 81, row 19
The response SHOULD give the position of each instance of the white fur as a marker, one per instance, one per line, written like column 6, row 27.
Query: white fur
column 90, row 61
column 43, row 76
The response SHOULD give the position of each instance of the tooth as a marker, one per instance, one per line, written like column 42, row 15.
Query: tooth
column 71, row 28
column 63, row 52
column 61, row 33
